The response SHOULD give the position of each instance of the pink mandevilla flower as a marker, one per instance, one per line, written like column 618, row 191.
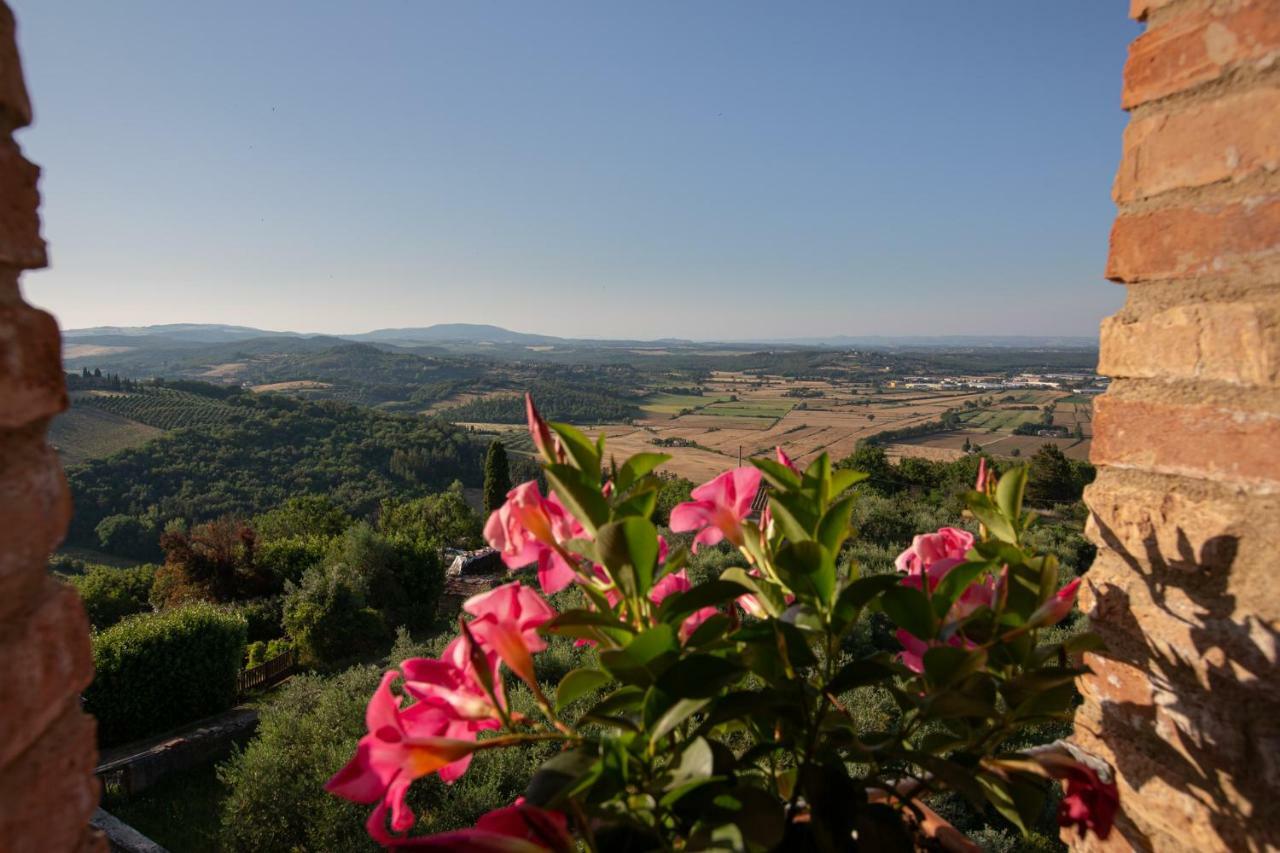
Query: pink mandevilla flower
column 913, row 648
column 718, row 508
column 785, row 460
column 506, row 624
column 1055, row 609
column 453, row 683
column 517, row 828
column 402, row 745
column 1088, row 803
column 931, row 556
column 528, row 528
column 543, row 439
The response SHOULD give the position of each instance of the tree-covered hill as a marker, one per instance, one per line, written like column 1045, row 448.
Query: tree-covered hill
column 274, row 447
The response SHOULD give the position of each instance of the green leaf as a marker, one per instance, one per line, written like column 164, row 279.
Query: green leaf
column 641, row 504
column 580, row 448
column 1010, row 490
column 638, row 466
column 779, row 475
column 625, row 698
column 643, row 659
column 771, row 597
column 808, row 568
column 910, row 610
column 578, row 683
column 696, row 762
column 571, row 622
column 629, row 550
column 833, row 530
column 987, row 512
column 955, row 582
column 699, row 676
column 846, row 478
column 709, row 594
column 711, row 629
column 561, row 777
column 791, row 517
column 583, row 500
column 674, row 716
column 1018, row 800
column 859, row 673
column 945, row 664
column 858, row 594
column 817, row 479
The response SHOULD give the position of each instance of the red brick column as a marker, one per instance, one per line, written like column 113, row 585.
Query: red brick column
column 1186, row 508
column 47, row 749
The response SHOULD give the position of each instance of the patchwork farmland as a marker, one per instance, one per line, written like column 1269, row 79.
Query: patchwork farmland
column 749, row 415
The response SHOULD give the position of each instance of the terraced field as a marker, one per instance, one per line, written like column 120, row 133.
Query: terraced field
column 83, row 432
column 162, row 408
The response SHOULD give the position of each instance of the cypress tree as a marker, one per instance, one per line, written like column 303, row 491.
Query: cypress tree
column 497, row 477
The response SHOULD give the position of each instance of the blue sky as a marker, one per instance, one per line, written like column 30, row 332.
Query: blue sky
column 698, row 169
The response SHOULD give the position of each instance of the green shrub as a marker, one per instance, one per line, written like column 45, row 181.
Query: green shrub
column 287, row 558
column 263, row 616
column 158, row 670
column 110, row 594
column 275, row 799
column 328, row 617
column 255, row 654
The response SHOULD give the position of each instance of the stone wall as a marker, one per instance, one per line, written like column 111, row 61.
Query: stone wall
column 1186, row 508
column 47, row 751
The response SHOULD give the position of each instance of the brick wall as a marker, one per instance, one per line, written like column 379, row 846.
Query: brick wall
column 47, row 750
column 1186, row 508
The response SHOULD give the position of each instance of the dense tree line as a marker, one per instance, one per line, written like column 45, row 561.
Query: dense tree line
column 577, row 404
column 275, row 448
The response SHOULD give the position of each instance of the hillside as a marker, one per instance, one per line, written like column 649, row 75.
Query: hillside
column 272, row 447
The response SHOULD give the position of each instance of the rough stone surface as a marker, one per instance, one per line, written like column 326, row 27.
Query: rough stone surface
column 47, row 659
column 1186, row 506
column 47, row 752
column 48, row 792
column 1233, row 342
column 1200, row 46
column 1227, row 139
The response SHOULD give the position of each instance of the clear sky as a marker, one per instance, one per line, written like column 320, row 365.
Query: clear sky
column 714, row 169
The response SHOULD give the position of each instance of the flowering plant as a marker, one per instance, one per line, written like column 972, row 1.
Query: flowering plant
column 717, row 715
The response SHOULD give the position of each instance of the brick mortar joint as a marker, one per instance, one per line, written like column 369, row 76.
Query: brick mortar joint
column 1237, row 78
column 1146, row 298
column 1220, row 193
column 1200, row 393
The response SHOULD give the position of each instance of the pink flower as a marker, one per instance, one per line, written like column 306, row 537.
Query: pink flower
column 913, row 648
column 669, row 584
column 529, row 528
column 784, row 459
column 517, row 828
column 981, row 485
column 718, row 508
column 679, row 582
column 935, row 554
column 750, row 602
column 506, row 624
column 401, row 745
column 543, row 439
column 1088, row 803
column 453, row 683
column 1055, row 609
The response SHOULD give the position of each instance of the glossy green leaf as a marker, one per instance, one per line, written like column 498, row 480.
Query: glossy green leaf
column 808, row 568
column 637, row 467
column 674, row 716
column 709, row 594
column 578, row 683
column 699, row 676
column 581, row 449
column 580, row 498
column 910, row 610
column 834, row 529
column 778, row 475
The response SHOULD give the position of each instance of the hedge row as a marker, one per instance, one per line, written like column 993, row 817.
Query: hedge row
column 158, row 670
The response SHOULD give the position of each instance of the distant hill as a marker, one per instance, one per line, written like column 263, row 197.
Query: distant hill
column 205, row 333
column 455, row 333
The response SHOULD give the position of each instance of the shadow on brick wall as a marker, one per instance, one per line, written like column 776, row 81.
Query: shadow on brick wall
column 1213, row 727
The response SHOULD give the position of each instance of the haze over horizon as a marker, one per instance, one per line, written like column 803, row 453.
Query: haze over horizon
column 725, row 171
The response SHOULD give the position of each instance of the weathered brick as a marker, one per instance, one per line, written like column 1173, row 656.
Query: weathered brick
column 20, row 243
column 47, row 662
column 15, row 106
column 35, row 507
column 1199, row 46
column 49, row 791
column 32, row 386
column 1236, row 342
column 1208, row 441
column 1194, row 241
column 1226, row 139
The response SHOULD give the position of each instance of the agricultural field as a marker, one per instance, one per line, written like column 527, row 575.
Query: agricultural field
column 163, row 408
column 83, row 432
column 749, row 415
